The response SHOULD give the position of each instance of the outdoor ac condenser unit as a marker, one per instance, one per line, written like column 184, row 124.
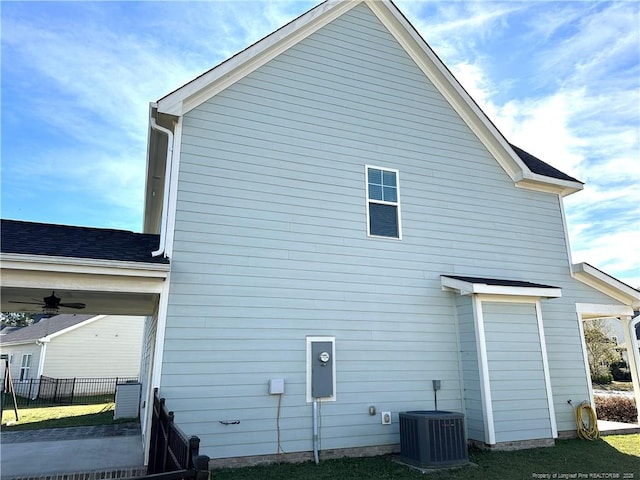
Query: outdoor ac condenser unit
column 432, row 438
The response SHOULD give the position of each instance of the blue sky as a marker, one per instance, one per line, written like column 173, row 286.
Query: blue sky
column 559, row 79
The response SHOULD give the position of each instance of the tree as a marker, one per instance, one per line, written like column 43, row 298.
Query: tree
column 16, row 319
column 601, row 351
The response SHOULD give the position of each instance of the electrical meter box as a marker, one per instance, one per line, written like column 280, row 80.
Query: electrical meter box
column 321, row 369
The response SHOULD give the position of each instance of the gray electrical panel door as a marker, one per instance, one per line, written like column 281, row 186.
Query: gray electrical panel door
column 321, row 369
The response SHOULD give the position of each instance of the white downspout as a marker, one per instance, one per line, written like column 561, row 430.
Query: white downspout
column 43, row 342
column 167, row 181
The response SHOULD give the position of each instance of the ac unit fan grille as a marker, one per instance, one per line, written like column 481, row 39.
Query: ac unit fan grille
column 433, row 438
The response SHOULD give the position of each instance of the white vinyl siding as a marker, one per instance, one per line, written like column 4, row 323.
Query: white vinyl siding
column 269, row 248
column 108, row 347
column 18, row 351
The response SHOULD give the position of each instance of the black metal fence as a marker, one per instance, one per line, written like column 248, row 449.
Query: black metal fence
column 173, row 455
column 48, row 391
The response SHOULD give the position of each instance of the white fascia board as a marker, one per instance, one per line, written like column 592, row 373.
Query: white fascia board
column 30, row 271
column 608, row 285
column 541, row 183
column 539, row 292
column 235, row 68
column 18, row 261
column 469, row 288
column 449, row 87
column 464, row 105
column 598, row 310
column 18, row 342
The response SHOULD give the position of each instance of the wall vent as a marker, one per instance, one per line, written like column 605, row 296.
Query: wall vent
column 432, row 438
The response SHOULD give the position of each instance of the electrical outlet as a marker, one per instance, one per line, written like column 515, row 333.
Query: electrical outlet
column 386, row 418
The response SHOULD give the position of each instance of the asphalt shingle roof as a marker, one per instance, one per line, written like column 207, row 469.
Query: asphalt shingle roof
column 31, row 238
column 498, row 281
column 46, row 326
column 541, row 168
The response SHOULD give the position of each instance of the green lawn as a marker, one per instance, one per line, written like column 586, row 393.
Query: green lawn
column 52, row 417
column 609, row 457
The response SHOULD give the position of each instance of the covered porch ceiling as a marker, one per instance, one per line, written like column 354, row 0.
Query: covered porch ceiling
column 97, row 302
column 114, row 289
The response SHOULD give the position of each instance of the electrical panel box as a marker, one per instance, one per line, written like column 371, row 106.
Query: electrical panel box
column 276, row 386
column 321, row 369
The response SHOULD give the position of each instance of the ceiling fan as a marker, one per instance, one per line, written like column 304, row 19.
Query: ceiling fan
column 51, row 304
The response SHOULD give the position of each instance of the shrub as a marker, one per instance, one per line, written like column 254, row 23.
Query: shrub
column 602, row 378
column 616, row 408
column 620, row 371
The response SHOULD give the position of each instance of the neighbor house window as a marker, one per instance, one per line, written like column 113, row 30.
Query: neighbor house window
column 25, row 366
column 383, row 202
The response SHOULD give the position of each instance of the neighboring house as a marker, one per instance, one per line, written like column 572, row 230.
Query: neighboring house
column 75, row 346
column 334, row 183
column 616, row 332
column 339, row 223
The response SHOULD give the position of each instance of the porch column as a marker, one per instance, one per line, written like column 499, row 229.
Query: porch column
column 630, row 340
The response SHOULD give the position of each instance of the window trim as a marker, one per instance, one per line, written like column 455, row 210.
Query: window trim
column 382, row 202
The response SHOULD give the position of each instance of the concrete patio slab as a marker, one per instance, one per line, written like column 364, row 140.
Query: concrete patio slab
column 56, row 453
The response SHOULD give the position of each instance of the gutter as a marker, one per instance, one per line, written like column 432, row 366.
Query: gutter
column 167, row 175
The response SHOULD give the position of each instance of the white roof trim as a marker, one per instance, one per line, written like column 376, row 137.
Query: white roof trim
column 541, row 183
column 606, row 284
column 204, row 87
column 47, row 338
column 598, row 310
column 73, row 264
column 71, row 328
column 465, row 106
column 199, row 90
column 473, row 288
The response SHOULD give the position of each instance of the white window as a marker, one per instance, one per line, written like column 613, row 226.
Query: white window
column 383, row 202
column 25, row 366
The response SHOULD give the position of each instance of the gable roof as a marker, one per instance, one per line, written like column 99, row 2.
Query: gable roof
column 43, row 328
column 524, row 169
column 606, row 284
column 30, row 238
